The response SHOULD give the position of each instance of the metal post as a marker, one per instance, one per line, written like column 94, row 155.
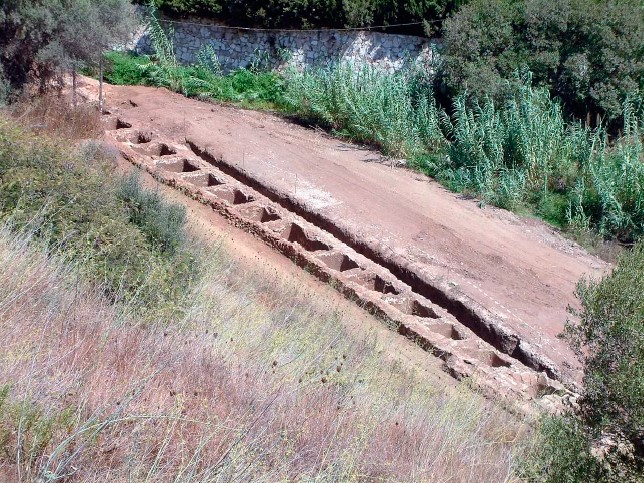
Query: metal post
column 100, row 83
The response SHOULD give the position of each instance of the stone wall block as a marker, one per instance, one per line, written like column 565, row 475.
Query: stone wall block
column 236, row 48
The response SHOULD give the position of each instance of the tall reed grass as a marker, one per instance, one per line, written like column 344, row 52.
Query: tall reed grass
column 521, row 154
column 368, row 105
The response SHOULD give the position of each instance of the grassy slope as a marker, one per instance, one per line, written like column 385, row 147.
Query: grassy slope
column 251, row 379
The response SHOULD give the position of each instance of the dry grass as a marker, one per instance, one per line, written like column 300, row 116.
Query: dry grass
column 55, row 116
column 258, row 382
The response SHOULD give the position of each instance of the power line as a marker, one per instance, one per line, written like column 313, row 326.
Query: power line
column 254, row 29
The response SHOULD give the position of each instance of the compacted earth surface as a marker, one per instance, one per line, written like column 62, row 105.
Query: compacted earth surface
column 481, row 287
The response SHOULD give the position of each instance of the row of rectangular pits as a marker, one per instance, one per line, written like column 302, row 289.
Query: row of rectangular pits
column 234, row 196
column 341, row 262
column 295, row 233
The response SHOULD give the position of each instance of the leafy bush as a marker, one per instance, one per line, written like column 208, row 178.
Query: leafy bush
column 124, row 68
column 72, row 200
column 314, row 13
column 561, row 453
column 609, row 341
column 588, row 54
column 603, row 441
column 162, row 222
column 517, row 153
column 41, row 39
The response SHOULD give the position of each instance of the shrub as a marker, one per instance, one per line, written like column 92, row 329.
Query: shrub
column 588, row 54
column 609, row 341
column 161, row 222
column 561, row 453
column 39, row 40
column 124, row 68
column 70, row 199
column 603, row 441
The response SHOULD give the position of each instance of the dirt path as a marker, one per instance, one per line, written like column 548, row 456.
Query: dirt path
column 506, row 278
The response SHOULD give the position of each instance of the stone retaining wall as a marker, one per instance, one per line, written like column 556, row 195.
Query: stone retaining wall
column 237, row 48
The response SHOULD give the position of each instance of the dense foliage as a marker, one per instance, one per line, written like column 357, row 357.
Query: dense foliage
column 602, row 441
column 40, row 40
column 589, row 54
column 315, row 13
column 609, row 340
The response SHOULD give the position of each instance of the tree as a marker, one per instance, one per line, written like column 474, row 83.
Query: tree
column 609, row 341
column 589, row 54
column 39, row 40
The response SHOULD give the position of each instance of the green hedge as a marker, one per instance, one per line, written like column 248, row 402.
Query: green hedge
column 315, row 13
column 589, row 54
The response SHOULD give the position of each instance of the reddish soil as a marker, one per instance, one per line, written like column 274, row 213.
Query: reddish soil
column 518, row 272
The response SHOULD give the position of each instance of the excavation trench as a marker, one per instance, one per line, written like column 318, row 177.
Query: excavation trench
column 465, row 310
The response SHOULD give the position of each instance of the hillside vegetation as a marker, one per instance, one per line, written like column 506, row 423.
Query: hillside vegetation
column 251, row 379
column 128, row 354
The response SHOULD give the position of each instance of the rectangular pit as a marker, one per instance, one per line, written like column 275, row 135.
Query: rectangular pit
column 338, row 261
column 142, row 138
column 412, row 307
column 447, row 330
column 180, row 166
column 121, row 124
column 372, row 281
column 155, row 149
column 262, row 214
column 204, row 180
column 296, row 234
column 233, row 196
column 489, row 358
